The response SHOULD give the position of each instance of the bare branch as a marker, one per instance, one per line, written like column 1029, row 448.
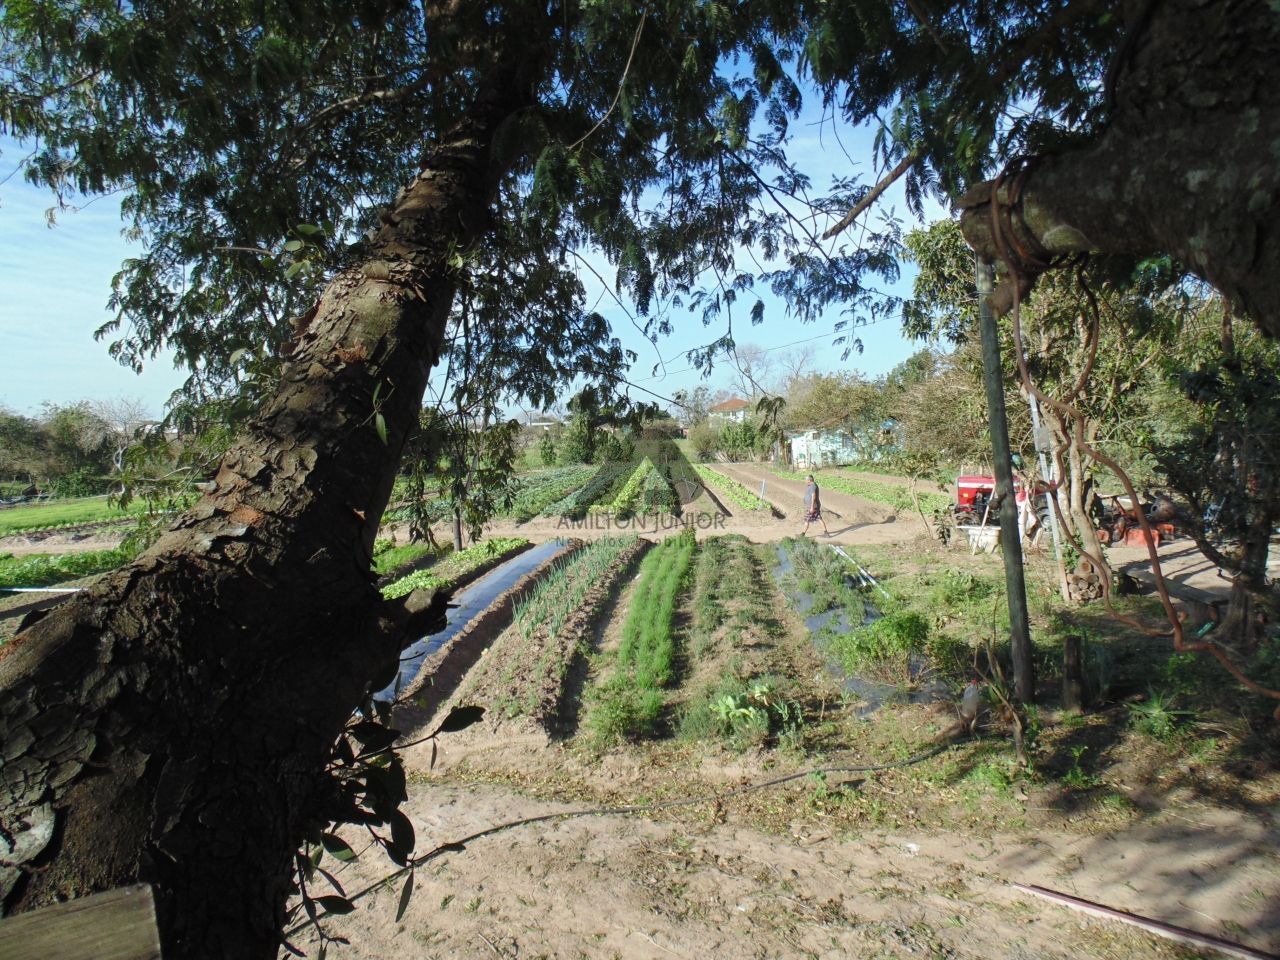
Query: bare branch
column 874, row 194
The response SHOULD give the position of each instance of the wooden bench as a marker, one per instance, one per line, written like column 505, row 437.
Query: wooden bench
column 116, row 925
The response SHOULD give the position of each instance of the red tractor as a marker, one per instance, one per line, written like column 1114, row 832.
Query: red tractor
column 1116, row 521
column 974, row 507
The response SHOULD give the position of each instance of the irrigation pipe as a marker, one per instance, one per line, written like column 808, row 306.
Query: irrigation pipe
column 862, row 571
column 457, row 846
column 40, row 589
column 1157, row 927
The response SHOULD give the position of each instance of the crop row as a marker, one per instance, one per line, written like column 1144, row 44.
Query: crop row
column 730, row 489
column 552, row 627
column 453, row 568
column 559, row 593
column 601, row 488
column 42, row 570
column 539, row 490
column 646, row 490
column 894, row 496
column 629, row 704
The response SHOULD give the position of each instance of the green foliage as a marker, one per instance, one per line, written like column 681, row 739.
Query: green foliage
column 895, row 496
column 443, row 575
column 537, row 491
column 895, row 636
column 1076, row 777
column 737, row 440
column 578, row 442
column 1156, row 717
column 646, row 490
column 647, row 651
column 755, row 711
column 390, row 559
column 601, row 488
column 547, row 449
column 628, row 705
column 559, row 598
column 705, row 440
column 729, row 489
column 42, row 570
column 559, row 594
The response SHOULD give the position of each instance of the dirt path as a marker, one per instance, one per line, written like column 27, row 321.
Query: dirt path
column 859, row 521
column 696, row 884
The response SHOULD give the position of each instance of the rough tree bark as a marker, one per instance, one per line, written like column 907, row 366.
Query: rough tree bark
column 1189, row 164
column 171, row 725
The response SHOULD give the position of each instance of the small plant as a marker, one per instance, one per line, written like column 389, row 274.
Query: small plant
column 754, row 712
column 1156, row 717
column 1076, row 778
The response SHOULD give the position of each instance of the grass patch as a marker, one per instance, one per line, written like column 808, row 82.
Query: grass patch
column 45, row 569
column 388, row 559
column 62, row 513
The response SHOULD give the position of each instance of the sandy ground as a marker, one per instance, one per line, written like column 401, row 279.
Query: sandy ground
column 695, row 884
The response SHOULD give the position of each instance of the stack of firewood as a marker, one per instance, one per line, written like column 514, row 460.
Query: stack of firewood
column 1084, row 583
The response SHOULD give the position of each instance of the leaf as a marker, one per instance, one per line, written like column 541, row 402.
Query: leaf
column 460, row 718
column 336, row 905
column 374, row 736
column 337, row 847
column 308, row 230
column 294, row 269
column 380, row 424
column 402, row 833
column 293, row 246
column 333, row 881
column 406, row 893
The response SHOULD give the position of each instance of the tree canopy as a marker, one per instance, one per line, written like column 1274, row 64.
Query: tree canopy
column 327, row 194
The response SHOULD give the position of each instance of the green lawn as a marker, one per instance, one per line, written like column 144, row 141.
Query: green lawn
column 59, row 513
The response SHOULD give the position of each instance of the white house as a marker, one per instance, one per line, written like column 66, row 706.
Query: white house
column 823, row 448
column 733, row 410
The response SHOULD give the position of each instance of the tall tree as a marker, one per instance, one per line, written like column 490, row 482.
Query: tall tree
column 173, row 723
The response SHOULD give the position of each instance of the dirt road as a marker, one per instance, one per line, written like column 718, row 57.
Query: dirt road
column 855, row 521
column 697, row 884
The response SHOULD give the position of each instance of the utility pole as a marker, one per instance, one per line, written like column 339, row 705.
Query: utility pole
column 1010, row 539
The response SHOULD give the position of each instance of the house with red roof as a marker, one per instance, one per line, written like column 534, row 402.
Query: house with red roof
column 733, row 410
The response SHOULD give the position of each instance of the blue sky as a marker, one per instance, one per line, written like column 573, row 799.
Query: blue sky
column 55, row 282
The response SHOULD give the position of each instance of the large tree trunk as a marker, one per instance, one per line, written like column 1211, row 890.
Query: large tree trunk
column 171, row 724
column 1187, row 166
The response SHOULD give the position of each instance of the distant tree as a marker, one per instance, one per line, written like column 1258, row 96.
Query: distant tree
column 78, row 447
column 844, row 401
column 705, row 440
column 124, row 418
column 578, row 442
column 547, row 449
column 22, row 447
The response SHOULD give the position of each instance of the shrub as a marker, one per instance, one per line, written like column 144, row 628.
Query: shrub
column 896, row 635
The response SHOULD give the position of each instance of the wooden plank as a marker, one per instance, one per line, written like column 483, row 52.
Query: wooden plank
column 1141, row 573
column 115, row 925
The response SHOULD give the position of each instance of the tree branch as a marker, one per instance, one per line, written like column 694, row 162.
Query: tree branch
column 873, row 194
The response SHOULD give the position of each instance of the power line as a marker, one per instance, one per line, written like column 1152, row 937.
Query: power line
column 781, row 346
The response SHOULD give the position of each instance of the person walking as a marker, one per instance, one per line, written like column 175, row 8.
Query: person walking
column 813, row 508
